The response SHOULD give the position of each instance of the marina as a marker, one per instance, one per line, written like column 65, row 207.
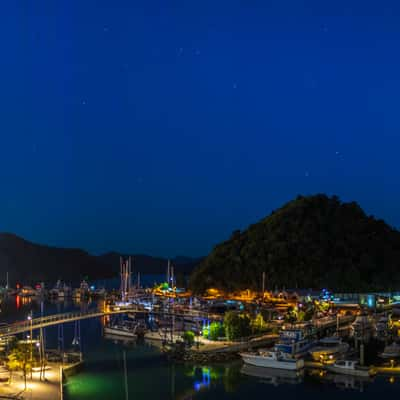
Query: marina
column 157, row 321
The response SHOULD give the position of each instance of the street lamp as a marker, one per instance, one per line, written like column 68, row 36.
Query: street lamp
column 31, row 340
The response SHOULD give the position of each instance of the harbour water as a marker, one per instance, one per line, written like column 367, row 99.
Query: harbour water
column 121, row 371
column 139, row 371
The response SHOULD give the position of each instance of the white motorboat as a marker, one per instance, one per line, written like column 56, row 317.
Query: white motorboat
column 123, row 329
column 391, row 351
column 273, row 359
column 350, row 367
column 327, row 348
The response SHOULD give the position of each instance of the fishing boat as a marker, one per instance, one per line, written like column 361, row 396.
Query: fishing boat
column 296, row 342
column 350, row 367
column 327, row 348
column 391, row 351
column 121, row 329
column 272, row 359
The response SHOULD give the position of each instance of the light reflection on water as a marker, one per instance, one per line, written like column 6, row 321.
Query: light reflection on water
column 149, row 376
column 138, row 371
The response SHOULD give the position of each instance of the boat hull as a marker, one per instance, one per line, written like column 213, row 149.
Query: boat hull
column 349, row 371
column 119, row 332
column 260, row 361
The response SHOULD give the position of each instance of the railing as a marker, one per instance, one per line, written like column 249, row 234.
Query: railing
column 55, row 319
column 324, row 323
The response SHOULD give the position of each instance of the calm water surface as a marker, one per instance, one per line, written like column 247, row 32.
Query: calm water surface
column 121, row 371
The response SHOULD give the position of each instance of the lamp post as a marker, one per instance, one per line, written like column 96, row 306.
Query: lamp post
column 31, row 340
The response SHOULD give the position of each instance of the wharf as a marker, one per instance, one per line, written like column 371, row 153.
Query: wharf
column 204, row 345
column 234, row 347
column 35, row 388
column 49, row 389
column 388, row 370
column 208, row 351
column 314, row 364
column 378, row 370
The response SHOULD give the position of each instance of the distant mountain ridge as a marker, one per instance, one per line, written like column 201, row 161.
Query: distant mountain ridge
column 27, row 262
column 313, row 241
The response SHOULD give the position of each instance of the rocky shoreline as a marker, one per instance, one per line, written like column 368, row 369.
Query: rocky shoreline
column 193, row 356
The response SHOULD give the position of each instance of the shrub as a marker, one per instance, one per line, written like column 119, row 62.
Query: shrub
column 188, row 337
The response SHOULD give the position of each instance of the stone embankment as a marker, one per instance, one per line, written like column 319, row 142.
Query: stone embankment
column 215, row 351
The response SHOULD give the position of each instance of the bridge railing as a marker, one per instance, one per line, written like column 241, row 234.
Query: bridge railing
column 40, row 321
column 36, row 323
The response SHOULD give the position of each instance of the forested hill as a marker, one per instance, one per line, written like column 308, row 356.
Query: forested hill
column 29, row 263
column 314, row 241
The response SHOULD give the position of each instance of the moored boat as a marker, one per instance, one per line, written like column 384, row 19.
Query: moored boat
column 296, row 342
column 272, row 359
column 121, row 329
column 350, row 367
column 391, row 351
column 327, row 348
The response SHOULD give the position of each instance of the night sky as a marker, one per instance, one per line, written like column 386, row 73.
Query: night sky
column 161, row 126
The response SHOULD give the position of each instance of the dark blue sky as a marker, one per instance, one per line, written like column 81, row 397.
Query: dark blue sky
column 162, row 126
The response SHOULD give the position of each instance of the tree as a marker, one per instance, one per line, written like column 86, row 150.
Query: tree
column 216, row 331
column 236, row 325
column 258, row 324
column 188, row 338
column 18, row 359
column 291, row 315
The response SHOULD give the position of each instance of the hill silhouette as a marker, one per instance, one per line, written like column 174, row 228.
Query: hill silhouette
column 311, row 242
column 27, row 262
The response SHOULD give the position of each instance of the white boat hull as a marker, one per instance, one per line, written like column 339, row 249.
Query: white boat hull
column 119, row 332
column 260, row 361
column 349, row 371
